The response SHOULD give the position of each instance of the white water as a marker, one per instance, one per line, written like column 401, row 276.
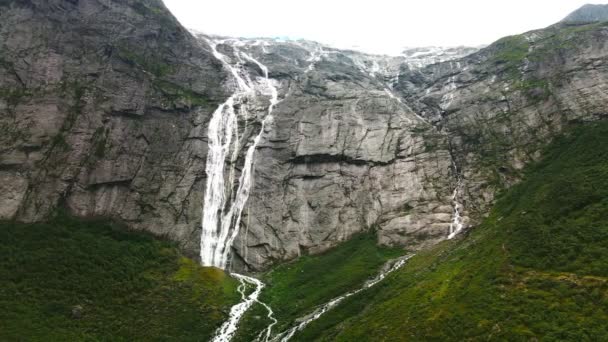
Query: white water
column 448, row 98
column 228, row 329
column 221, row 210
column 457, row 225
column 315, row 57
column 287, row 335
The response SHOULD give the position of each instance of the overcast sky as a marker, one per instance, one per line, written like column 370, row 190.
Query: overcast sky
column 382, row 26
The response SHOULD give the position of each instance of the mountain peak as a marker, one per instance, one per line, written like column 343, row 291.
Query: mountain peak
column 588, row 13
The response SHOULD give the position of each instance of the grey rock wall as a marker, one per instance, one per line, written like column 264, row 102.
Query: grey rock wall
column 104, row 108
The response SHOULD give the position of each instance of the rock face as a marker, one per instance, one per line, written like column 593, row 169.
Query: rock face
column 587, row 14
column 105, row 106
column 423, row 56
column 344, row 154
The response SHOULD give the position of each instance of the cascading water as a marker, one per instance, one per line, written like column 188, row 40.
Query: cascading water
column 222, row 209
column 457, row 225
column 228, row 329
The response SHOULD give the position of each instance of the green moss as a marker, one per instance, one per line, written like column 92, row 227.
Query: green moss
column 130, row 285
column 536, row 269
column 73, row 91
column 510, row 52
column 420, row 128
column 99, row 142
column 60, row 143
column 14, row 96
column 155, row 9
column 561, row 39
column 176, row 95
column 148, row 62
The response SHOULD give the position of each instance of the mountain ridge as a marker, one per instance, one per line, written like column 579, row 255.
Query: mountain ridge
column 587, row 14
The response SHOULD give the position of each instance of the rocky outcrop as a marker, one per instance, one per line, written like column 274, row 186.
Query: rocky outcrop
column 105, row 106
column 365, row 142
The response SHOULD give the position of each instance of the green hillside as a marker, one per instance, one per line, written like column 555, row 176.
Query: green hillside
column 297, row 288
column 72, row 280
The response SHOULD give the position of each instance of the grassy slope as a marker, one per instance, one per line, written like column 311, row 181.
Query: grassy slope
column 130, row 285
column 537, row 268
column 295, row 289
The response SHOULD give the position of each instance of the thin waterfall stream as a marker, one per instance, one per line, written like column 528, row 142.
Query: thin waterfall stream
column 392, row 267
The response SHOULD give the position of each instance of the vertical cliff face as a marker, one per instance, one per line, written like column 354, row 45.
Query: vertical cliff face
column 104, row 106
column 105, row 109
column 344, row 154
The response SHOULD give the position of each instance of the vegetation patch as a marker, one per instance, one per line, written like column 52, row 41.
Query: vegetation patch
column 13, row 96
column 74, row 280
column 177, row 96
column 510, row 52
column 295, row 289
column 148, row 62
column 99, row 142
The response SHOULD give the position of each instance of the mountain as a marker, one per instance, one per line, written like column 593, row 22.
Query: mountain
column 114, row 124
column 431, row 186
column 587, row 14
column 103, row 105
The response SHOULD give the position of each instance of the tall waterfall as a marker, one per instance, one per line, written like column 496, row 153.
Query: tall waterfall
column 222, row 207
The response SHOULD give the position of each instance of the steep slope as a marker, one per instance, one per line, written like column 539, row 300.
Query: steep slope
column 342, row 155
column 104, row 106
column 295, row 289
column 500, row 106
column 535, row 269
column 71, row 280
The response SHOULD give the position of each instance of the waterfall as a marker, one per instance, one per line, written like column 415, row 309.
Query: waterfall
column 222, row 209
column 456, row 226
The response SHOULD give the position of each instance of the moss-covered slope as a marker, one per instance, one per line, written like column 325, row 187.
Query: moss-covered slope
column 71, row 280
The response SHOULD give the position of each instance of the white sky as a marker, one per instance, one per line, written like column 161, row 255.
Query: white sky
column 382, row 26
